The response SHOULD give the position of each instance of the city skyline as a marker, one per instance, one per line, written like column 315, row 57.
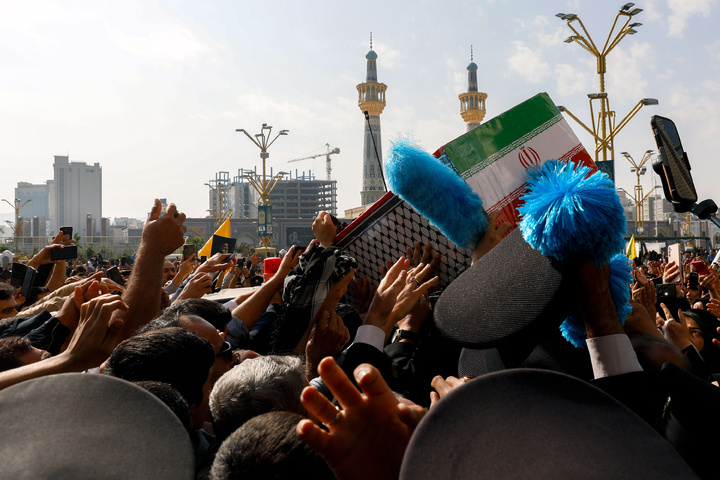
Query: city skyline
column 154, row 91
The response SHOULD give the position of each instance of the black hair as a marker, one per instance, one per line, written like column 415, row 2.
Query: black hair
column 267, row 447
column 212, row 312
column 172, row 355
column 7, row 291
column 11, row 348
column 170, row 397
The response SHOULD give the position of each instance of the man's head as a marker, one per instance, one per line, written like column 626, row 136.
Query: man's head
column 172, row 355
column 268, row 447
column 172, row 318
column 211, row 311
column 254, row 387
column 8, row 305
column 18, row 351
column 168, row 271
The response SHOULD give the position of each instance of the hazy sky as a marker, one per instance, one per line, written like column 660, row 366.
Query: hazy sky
column 154, row 90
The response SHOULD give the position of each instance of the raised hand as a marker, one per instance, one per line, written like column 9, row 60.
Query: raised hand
column 324, row 229
column 163, row 234
column 645, row 295
column 671, row 273
column 415, row 289
column 368, row 437
column 216, row 263
column 327, row 338
column 386, row 294
column 676, row 332
column 363, row 293
column 96, row 335
column 196, row 287
column 492, row 237
column 713, row 307
column 443, row 386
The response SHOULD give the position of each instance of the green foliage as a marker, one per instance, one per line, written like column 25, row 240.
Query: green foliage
column 197, row 241
column 245, row 249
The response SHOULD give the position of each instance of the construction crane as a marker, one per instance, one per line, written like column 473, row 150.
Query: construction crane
column 328, row 166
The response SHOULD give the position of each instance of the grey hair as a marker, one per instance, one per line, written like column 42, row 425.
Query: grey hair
column 256, row 386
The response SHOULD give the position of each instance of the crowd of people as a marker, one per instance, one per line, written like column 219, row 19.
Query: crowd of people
column 316, row 373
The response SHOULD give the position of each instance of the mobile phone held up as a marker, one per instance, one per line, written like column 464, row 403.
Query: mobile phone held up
column 700, row 267
column 65, row 253
column 67, row 233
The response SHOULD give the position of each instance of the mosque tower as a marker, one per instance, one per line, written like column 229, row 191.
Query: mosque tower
column 371, row 101
column 472, row 102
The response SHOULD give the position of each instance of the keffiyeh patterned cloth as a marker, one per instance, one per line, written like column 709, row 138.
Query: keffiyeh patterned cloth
column 305, row 290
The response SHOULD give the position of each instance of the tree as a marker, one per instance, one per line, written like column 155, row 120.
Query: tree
column 245, row 249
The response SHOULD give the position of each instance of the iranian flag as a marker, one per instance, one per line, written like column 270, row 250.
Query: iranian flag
column 494, row 157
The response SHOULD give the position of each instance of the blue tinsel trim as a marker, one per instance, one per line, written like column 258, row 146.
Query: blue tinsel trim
column 436, row 192
column 573, row 328
column 567, row 213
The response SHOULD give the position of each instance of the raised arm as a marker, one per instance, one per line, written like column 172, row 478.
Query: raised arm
column 251, row 309
column 162, row 234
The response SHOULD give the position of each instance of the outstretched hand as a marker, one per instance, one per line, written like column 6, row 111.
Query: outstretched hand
column 676, row 332
column 96, row 335
column 386, row 294
column 414, row 293
column 324, row 229
column 216, row 263
column 368, row 437
column 163, row 234
column 327, row 338
column 494, row 235
column 196, row 287
column 713, row 307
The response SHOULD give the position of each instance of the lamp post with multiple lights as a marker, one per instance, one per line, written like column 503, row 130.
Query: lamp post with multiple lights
column 220, row 215
column 604, row 129
column 264, row 186
column 17, row 226
column 639, row 169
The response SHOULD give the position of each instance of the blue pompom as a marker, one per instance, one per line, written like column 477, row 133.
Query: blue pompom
column 573, row 328
column 436, row 192
column 567, row 213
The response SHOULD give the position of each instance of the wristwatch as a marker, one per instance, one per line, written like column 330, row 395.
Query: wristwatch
column 406, row 334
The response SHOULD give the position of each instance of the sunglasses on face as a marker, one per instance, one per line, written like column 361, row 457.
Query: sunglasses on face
column 226, row 352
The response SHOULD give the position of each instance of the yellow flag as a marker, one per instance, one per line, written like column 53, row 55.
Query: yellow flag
column 222, row 231
column 631, row 250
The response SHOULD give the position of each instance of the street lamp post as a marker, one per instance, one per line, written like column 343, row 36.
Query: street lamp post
column 17, row 226
column 639, row 169
column 220, row 215
column 604, row 129
column 264, row 186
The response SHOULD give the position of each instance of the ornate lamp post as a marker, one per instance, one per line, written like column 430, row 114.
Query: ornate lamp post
column 264, row 185
column 220, row 215
column 604, row 129
column 639, row 169
column 17, row 226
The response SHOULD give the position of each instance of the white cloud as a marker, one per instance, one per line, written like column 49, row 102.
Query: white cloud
column 571, row 80
column 391, row 58
column 528, row 63
column 651, row 10
column 174, row 44
column 713, row 50
column 683, row 11
column 625, row 79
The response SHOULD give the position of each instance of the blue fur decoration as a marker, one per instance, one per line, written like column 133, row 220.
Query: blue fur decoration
column 436, row 192
column 573, row 328
column 567, row 214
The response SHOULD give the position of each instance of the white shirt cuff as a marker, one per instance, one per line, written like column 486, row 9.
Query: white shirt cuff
column 371, row 335
column 612, row 355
